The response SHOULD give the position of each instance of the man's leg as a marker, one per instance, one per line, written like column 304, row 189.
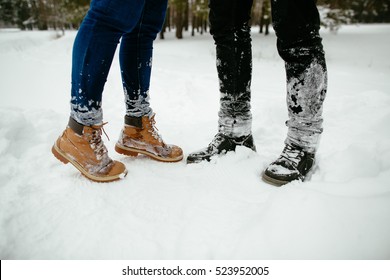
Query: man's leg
column 230, row 28
column 297, row 25
column 229, row 25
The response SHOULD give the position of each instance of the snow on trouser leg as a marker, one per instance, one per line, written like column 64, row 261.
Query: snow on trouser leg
column 234, row 65
column 306, row 90
column 305, row 96
column 235, row 118
column 297, row 24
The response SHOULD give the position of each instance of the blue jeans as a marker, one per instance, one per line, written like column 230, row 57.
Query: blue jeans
column 133, row 23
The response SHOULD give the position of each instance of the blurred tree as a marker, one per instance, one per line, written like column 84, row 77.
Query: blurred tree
column 166, row 23
column 199, row 16
column 75, row 11
column 181, row 14
column 178, row 12
column 7, row 14
column 336, row 12
column 261, row 15
column 265, row 18
column 43, row 14
column 23, row 14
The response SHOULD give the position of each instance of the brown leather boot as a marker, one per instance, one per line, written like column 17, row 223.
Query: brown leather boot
column 83, row 147
column 140, row 136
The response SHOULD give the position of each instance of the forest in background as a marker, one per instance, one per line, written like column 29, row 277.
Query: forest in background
column 182, row 15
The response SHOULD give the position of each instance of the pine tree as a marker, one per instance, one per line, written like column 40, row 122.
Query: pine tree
column 179, row 7
column 7, row 12
column 199, row 16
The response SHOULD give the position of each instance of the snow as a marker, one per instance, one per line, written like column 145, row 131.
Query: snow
column 216, row 210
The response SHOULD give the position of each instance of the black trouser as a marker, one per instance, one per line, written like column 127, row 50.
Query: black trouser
column 229, row 25
column 296, row 23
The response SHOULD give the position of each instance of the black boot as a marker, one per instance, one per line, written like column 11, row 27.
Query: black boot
column 220, row 145
column 293, row 164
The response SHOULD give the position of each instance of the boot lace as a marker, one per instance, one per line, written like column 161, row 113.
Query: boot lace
column 216, row 142
column 153, row 130
column 291, row 155
column 96, row 142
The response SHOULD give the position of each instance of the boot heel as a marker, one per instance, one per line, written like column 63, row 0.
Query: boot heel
column 132, row 154
column 125, row 152
column 59, row 156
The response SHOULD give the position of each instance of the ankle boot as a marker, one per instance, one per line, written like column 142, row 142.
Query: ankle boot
column 293, row 164
column 83, row 147
column 140, row 136
column 220, row 145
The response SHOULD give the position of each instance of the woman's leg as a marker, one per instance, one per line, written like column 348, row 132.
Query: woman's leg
column 140, row 135
column 136, row 52
column 93, row 51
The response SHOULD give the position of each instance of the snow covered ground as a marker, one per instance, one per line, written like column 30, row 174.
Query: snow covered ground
column 217, row 210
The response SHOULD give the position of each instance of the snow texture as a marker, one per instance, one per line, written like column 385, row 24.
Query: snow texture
column 216, row 210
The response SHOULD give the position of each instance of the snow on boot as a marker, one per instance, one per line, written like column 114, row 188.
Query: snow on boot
column 220, row 145
column 293, row 164
column 140, row 136
column 83, row 147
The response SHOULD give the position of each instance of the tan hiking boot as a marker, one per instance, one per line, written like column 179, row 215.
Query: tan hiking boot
column 83, row 147
column 140, row 136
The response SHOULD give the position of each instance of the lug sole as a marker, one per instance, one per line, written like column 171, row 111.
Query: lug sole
column 198, row 160
column 273, row 181
column 279, row 183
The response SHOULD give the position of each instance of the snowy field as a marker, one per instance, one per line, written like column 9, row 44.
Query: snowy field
column 216, row 210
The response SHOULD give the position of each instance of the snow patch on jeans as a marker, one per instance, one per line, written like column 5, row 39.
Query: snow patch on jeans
column 305, row 97
column 235, row 117
column 139, row 106
column 88, row 116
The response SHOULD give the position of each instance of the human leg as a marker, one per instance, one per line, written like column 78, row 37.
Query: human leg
column 299, row 44
column 136, row 55
column 93, row 51
column 81, row 143
column 229, row 25
column 140, row 135
column 297, row 24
